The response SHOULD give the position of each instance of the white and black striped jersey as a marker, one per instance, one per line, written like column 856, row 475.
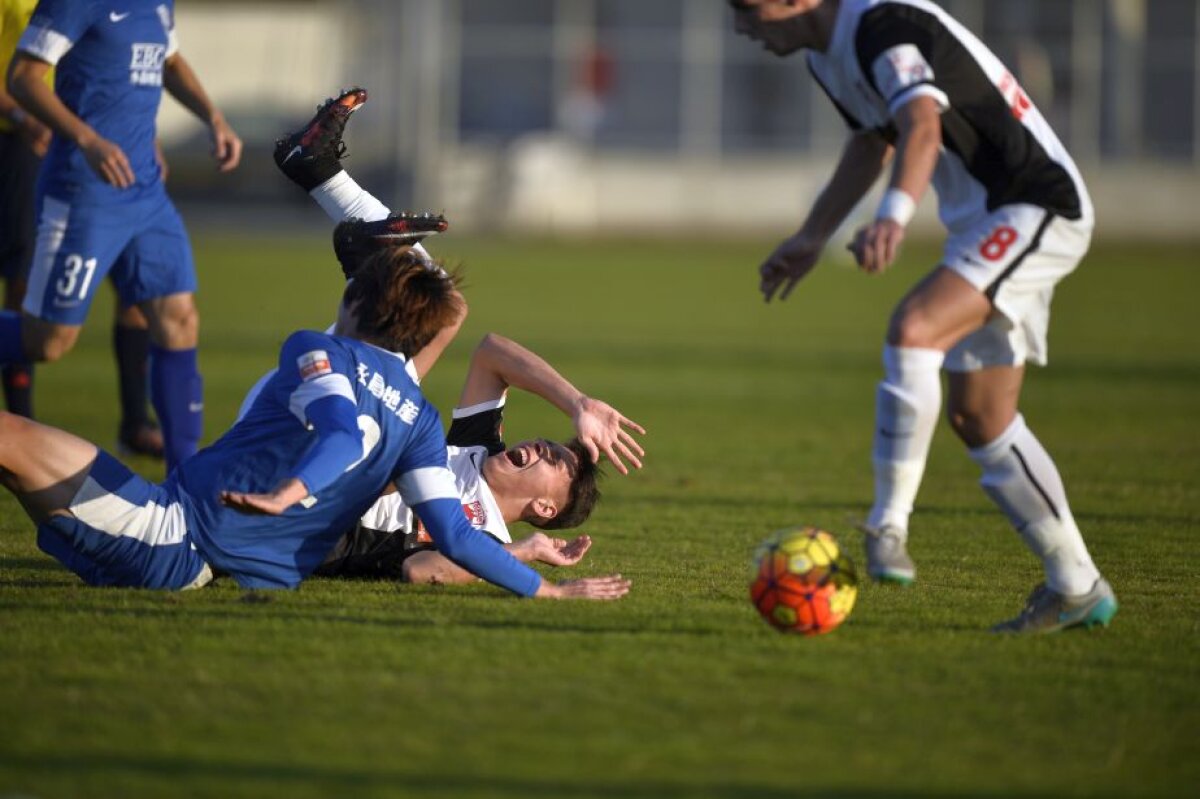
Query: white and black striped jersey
column 388, row 532
column 997, row 148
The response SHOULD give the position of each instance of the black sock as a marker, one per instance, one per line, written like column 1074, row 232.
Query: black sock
column 18, row 388
column 131, row 347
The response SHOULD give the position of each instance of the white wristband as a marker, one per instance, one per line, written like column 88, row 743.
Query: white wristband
column 898, row 206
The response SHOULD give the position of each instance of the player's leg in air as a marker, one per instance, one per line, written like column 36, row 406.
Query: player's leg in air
column 311, row 158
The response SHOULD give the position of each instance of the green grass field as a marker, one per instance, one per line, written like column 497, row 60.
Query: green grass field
column 759, row 417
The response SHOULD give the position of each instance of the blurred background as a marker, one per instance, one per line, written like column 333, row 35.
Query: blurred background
column 597, row 116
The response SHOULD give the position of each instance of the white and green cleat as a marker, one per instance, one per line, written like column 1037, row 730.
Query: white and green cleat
column 887, row 556
column 1048, row 611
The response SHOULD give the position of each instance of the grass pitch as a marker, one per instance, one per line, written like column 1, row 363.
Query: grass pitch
column 759, row 418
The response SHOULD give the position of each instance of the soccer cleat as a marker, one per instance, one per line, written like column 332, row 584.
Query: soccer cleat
column 354, row 240
column 1048, row 611
column 145, row 439
column 887, row 557
column 310, row 156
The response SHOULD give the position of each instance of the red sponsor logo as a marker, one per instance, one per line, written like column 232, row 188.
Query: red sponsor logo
column 314, row 364
column 476, row 515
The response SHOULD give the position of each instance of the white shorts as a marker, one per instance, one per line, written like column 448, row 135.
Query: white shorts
column 1015, row 255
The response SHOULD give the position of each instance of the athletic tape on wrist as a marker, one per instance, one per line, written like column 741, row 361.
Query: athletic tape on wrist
column 898, row 206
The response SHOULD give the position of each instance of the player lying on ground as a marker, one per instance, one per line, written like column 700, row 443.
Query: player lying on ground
column 916, row 87
column 341, row 419
column 546, row 484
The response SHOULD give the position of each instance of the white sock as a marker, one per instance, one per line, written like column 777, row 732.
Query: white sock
column 1020, row 477
column 342, row 198
column 907, row 404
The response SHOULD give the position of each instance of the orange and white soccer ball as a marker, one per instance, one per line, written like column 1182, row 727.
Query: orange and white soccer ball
column 803, row 582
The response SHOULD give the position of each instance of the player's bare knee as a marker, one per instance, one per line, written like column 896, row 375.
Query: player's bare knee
column 49, row 344
column 12, row 433
column 177, row 326
column 977, row 427
column 910, row 329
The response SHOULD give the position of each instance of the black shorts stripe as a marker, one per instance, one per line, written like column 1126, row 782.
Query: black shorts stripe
column 1033, row 245
column 1036, row 484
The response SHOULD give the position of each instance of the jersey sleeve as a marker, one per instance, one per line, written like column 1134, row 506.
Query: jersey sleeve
column 895, row 46
column 318, row 367
column 479, row 425
column 322, row 400
column 167, row 13
column 427, row 486
column 55, row 27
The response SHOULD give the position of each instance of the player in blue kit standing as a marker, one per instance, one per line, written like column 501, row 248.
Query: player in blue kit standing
column 102, row 204
column 340, row 420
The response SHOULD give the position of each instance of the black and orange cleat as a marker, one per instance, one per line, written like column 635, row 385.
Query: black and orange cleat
column 310, row 156
column 356, row 239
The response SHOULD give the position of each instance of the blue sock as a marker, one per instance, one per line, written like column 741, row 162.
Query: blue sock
column 12, row 348
column 177, row 391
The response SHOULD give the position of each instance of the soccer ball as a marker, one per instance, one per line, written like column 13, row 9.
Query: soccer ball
column 803, row 582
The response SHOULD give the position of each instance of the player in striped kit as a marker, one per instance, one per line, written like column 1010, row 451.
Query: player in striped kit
column 919, row 90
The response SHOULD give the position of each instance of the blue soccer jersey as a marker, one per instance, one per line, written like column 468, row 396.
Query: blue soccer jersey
column 329, row 391
column 109, row 72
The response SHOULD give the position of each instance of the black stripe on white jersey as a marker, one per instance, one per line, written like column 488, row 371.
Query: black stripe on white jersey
column 841, row 109
column 888, row 132
column 979, row 127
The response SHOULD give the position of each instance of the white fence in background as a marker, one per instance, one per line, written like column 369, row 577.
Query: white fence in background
column 582, row 115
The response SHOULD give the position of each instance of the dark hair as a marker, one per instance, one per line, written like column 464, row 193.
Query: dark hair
column 402, row 299
column 583, row 495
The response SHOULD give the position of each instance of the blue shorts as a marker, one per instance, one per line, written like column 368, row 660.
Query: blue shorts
column 126, row 531
column 143, row 242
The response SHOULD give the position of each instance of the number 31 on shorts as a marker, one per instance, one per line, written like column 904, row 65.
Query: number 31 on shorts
column 996, row 245
column 77, row 278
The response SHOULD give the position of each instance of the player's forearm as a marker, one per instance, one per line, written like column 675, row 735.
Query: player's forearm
column 513, row 365
column 476, row 552
column 862, row 161
column 27, row 86
column 436, row 569
column 920, row 126
column 181, row 82
column 424, row 360
column 338, row 444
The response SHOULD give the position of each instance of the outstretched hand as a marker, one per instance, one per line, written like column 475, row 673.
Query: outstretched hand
column 604, row 430
column 276, row 502
column 555, row 551
column 794, row 258
column 603, row 588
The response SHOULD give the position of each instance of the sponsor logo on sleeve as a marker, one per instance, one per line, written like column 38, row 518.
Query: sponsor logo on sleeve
column 476, row 515
column 314, row 364
column 900, row 68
